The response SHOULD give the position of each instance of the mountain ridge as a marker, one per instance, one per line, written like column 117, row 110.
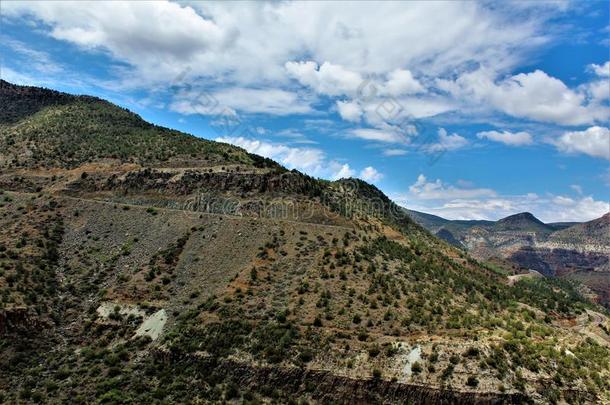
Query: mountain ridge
column 572, row 250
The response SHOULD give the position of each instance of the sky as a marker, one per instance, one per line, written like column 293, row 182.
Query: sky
column 467, row 110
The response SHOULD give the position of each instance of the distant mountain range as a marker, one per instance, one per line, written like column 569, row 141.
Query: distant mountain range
column 564, row 249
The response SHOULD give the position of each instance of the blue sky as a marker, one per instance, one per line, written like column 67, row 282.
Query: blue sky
column 465, row 110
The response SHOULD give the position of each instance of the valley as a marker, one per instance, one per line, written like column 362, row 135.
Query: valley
column 578, row 251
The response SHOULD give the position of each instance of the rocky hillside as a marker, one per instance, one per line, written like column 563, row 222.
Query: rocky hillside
column 571, row 250
column 165, row 268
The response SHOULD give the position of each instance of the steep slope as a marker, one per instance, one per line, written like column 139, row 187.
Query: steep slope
column 581, row 252
column 138, row 280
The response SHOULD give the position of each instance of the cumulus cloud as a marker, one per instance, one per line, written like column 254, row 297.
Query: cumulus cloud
column 379, row 135
column 507, row 138
column 349, row 111
column 370, row 174
column 401, row 82
column 567, row 209
column 453, row 202
column 247, row 100
column 597, row 91
column 157, row 39
column 534, row 95
column 327, row 79
column 594, row 141
column 601, row 70
column 270, row 101
column 344, row 172
column 434, row 190
column 447, row 142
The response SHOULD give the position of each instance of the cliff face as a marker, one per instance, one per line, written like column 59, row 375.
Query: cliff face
column 326, row 387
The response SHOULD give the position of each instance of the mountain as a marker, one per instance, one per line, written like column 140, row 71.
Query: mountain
column 142, row 265
column 44, row 128
column 522, row 222
column 577, row 251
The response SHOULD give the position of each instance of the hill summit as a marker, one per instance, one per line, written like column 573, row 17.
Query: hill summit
column 521, row 221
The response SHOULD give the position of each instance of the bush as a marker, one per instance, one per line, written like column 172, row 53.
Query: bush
column 472, row 352
column 374, row 351
column 472, row 381
column 306, row 356
column 448, row 372
column 232, row 391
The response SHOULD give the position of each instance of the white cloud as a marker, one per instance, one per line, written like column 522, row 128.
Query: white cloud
column 507, row 138
column 343, row 173
column 158, row 39
column 381, row 110
column 451, row 202
column 395, row 152
column 401, row 82
column 349, row 111
column 601, row 70
column 447, row 142
column 534, row 95
column 250, row 43
column 597, row 91
column 328, row 79
column 248, row 100
column 567, row 209
column 594, row 141
column 325, row 46
column 271, row 101
column 434, row 190
column 379, row 135
column 370, row 174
